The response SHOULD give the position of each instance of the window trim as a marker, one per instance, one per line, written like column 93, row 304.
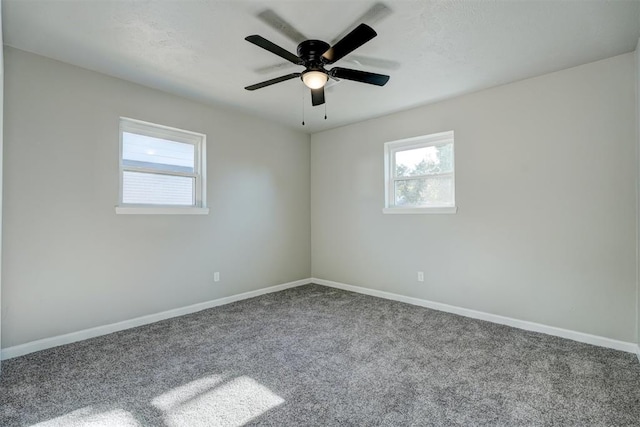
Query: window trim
column 391, row 148
column 198, row 140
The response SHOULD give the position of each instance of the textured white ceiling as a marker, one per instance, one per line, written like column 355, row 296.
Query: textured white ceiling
column 196, row 48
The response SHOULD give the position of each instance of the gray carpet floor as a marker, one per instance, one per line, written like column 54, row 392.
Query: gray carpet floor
column 314, row 355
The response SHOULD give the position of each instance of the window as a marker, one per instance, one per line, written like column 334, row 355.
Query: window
column 162, row 169
column 419, row 175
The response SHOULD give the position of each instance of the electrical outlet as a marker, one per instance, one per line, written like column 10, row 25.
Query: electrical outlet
column 216, row 276
column 420, row 276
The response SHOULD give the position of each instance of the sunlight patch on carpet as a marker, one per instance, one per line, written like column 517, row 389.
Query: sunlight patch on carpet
column 89, row 416
column 179, row 395
column 208, row 401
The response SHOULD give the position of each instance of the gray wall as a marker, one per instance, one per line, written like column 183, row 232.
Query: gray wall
column 1, row 154
column 71, row 263
column 637, row 57
column 545, row 186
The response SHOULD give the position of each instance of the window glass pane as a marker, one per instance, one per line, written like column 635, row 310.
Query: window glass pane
column 155, row 189
column 156, row 153
column 424, row 161
column 433, row 191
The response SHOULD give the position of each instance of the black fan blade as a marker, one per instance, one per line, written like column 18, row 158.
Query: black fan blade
column 356, row 38
column 374, row 14
column 273, row 48
column 276, row 22
column 317, row 96
column 359, row 76
column 273, row 81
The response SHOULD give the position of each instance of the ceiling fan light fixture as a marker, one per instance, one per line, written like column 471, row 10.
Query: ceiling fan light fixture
column 314, row 79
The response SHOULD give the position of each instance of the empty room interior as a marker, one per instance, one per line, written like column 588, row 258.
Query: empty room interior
column 228, row 213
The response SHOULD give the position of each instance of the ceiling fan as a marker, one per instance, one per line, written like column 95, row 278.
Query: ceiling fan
column 314, row 55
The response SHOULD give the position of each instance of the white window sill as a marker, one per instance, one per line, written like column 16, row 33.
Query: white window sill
column 178, row 210
column 434, row 210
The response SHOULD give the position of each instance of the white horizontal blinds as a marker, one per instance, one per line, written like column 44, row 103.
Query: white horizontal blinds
column 160, row 166
column 423, row 176
column 155, row 189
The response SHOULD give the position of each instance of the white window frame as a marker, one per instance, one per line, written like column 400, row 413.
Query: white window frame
column 198, row 140
column 391, row 148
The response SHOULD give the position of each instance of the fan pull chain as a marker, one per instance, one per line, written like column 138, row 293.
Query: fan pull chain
column 325, row 111
column 303, row 108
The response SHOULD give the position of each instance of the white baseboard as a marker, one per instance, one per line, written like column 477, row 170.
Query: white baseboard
column 45, row 343
column 520, row 324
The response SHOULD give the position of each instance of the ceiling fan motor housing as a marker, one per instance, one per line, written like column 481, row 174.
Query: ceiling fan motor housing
column 311, row 52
